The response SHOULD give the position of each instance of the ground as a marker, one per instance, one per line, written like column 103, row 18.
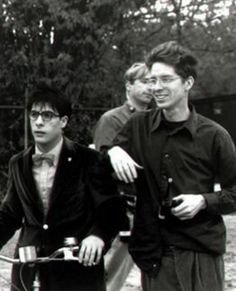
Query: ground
column 133, row 281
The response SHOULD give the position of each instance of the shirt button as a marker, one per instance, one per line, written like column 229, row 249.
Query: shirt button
column 45, row 226
column 154, row 265
column 167, row 156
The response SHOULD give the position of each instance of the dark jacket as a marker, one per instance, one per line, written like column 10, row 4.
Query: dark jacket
column 83, row 201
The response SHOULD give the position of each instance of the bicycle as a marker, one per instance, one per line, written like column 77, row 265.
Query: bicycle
column 27, row 255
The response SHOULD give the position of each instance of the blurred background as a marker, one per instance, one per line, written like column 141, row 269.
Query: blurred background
column 83, row 47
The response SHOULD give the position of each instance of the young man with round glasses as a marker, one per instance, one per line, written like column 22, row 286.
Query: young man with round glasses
column 59, row 189
column 175, row 156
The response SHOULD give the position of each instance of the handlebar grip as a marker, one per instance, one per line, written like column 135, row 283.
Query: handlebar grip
column 27, row 254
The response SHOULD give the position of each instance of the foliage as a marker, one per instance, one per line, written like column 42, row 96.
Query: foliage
column 84, row 47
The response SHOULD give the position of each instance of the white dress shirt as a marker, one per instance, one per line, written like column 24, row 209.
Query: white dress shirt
column 44, row 174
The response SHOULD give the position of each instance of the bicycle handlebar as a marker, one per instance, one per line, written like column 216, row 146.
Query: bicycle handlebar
column 27, row 254
column 9, row 260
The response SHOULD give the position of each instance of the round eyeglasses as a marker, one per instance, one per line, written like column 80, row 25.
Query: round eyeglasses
column 45, row 115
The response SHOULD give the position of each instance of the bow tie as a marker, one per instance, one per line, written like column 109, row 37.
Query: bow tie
column 39, row 158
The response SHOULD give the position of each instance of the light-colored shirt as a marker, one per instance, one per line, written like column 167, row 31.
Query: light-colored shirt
column 110, row 123
column 44, row 174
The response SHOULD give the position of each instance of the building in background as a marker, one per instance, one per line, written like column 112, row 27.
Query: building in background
column 222, row 109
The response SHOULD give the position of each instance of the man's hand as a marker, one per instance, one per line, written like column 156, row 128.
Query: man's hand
column 90, row 252
column 190, row 205
column 124, row 166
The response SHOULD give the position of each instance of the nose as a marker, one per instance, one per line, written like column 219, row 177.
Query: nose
column 157, row 85
column 150, row 89
column 39, row 120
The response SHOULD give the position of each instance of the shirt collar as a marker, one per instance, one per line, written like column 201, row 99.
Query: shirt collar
column 129, row 106
column 55, row 151
column 190, row 124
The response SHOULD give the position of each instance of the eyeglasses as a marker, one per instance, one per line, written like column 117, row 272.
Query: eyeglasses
column 163, row 80
column 46, row 115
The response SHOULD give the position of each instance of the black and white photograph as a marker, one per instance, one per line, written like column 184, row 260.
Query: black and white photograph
column 117, row 145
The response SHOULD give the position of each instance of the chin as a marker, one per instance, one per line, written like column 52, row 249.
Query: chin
column 40, row 143
column 162, row 105
column 39, row 140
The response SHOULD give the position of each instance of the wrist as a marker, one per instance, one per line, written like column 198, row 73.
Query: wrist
column 203, row 202
column 111, row 150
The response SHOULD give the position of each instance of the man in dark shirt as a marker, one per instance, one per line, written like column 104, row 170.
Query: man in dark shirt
column 118, row 262
column 175, row 156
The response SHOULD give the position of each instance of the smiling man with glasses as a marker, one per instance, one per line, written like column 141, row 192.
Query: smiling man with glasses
column 58, row 189
column 174, row 156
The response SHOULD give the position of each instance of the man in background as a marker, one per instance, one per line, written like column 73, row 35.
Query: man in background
column 118, row 262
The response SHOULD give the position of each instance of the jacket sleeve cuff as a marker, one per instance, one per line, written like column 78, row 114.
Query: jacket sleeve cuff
column 107, row 239
column 212, row 203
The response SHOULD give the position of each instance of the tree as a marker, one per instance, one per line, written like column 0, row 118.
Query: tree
column 84, row 46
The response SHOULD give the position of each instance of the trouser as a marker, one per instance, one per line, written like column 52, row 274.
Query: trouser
column 118, row 264
column 187, row 271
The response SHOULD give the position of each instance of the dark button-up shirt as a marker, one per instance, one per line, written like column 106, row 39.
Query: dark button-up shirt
column 195, row 155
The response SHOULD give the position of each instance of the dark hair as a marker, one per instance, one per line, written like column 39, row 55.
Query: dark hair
column 44, row 94
column 174, row 54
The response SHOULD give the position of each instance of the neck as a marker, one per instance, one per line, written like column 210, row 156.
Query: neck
column 176, row 114
column 45, row 148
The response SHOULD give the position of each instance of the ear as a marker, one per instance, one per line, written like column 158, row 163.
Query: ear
column 189, row 83
column 127, row 86
column 64, row 121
